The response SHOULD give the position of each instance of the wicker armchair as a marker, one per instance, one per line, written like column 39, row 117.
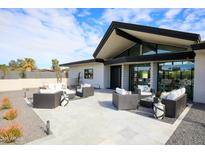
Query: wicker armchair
column 85, row 91
column 125, row 102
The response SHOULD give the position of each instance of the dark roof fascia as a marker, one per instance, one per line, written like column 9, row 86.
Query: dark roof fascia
column 160, row 31
column 83, row 62
column 104, row 39
column 157, row 57
column 128, row 36
column 198, row 46
column 146, row 29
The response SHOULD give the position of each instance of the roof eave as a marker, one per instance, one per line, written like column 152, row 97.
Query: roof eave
column 83, row 62
column 153, row 30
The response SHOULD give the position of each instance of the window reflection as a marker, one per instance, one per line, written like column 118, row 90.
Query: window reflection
column 139, row 75
column 173, row 75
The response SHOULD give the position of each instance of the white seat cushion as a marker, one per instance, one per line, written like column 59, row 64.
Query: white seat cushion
column 48, row 91
column 87, row 85
column 68, row 91
column 80, row 90
column 146, row 93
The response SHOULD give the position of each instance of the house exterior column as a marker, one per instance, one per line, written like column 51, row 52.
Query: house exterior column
column 199, row 77
column 153, row 75
column 125, row 76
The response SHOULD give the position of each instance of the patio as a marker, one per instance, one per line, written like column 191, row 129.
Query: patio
column 94, row 120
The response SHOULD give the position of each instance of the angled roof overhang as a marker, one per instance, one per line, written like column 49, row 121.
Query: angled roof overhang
column 82, row 62
column 198, row 46
column 121, row 36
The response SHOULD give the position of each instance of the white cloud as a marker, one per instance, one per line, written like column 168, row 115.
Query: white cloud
column 127, row 15
column 171, row 13
column 84, row 13
column 191, row 20
column 44, row 34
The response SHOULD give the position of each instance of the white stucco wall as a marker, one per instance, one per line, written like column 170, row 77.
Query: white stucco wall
column 153, row 75
column 98, row 74
column 19, row 84
column 199, row 77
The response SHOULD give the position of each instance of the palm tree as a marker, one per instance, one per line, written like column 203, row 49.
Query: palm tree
column 28, row 64
column 4, row 69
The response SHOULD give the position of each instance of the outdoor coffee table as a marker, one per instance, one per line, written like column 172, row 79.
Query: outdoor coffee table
column 147, row 102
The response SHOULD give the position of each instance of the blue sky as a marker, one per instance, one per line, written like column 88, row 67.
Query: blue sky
column 73, row 34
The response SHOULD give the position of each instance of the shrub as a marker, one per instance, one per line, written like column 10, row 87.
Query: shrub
column 5, row 104
column 10, row 114
column 10, row 134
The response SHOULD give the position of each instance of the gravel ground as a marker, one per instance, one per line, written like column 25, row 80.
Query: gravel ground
column 191, row 130
column 32, row 125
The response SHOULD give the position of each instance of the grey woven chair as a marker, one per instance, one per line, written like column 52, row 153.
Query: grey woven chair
column 125, row 102
column 86, row 92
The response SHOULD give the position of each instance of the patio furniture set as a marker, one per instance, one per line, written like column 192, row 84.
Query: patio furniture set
column 53, row 95
column 169, row 104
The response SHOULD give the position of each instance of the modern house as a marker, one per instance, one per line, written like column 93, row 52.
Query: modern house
column 130, row 55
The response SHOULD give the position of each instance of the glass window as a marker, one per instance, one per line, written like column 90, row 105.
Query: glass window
column 149, row 48
column 173, row 75
column 168, row 49
column 88, row 73
column 135, row 50
column 132, row 51
column 139, row 75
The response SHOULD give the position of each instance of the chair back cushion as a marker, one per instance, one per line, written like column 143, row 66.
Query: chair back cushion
column 121, row 91
column 174, row 94
column 144, row 88
column 58, row 86
column 164, row 95
column 51, row 86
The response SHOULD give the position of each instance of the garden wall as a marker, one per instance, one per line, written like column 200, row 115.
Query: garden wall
column 30, row 75
column 19, row 84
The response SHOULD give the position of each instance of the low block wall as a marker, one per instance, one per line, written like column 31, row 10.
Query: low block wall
column 19, row 84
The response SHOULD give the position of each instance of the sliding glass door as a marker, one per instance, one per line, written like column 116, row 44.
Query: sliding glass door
column 139, row 75
column 173, row 75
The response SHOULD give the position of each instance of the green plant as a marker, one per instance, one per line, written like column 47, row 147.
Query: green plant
column 5, row 103
column 10, row 114
column 78, row 79
column 57, row 69
column 10, row 134
column 5, row 70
